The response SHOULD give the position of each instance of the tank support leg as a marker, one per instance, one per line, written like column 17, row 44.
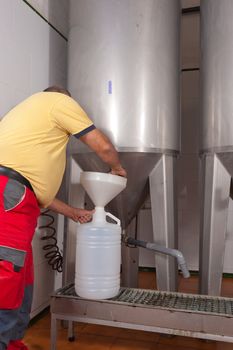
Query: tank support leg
column 164, row 219
column 214, row 209
column 130, row 258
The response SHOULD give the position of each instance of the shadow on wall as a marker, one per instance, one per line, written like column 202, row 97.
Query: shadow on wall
column 58, row 17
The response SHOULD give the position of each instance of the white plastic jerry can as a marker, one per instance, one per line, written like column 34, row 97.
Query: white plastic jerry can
column 98, row 257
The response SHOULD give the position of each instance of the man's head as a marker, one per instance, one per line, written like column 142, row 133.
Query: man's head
column 56, row 88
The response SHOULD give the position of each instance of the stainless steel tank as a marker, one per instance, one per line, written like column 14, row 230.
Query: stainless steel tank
column 124, row 71
column 217, row 137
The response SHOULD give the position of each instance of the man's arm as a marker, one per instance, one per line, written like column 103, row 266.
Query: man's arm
column 76, row 214
column 103, row 147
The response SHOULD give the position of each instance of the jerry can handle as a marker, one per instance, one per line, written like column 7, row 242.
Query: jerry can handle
column 118, row 221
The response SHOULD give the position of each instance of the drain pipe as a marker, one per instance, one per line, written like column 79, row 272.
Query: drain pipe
column 161, row 249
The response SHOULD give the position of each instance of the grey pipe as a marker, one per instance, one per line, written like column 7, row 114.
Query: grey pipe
column 161, row 249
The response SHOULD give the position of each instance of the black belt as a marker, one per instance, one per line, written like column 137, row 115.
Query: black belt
column 13, row 174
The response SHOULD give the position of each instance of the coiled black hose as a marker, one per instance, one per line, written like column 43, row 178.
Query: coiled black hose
column 54, row 256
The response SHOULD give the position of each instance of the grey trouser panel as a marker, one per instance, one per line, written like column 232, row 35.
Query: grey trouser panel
column 13, row 194
column 13, row 323
column 13, row 255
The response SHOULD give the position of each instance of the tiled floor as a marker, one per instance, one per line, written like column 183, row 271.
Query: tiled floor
column 95, row 337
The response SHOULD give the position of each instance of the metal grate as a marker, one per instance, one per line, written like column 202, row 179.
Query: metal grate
column 178, row 301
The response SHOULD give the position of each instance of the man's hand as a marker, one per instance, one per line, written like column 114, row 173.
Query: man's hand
column 76, row 214
column 103, row 147
column 82, row 215
column 119, row 171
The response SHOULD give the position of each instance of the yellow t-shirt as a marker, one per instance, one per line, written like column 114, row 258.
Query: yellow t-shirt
column 33, row 139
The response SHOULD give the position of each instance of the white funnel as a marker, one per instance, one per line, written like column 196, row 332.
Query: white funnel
column 102, row 187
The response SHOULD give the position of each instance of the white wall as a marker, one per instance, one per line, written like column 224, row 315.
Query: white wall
column 33, row 56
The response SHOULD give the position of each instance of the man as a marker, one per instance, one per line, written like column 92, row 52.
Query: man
column 33, row 142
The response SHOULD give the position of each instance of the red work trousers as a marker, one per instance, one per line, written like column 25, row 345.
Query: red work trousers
column 19, row 211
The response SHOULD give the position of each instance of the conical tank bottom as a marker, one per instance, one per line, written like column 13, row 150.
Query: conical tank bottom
column 139, row 166
column 102, row 187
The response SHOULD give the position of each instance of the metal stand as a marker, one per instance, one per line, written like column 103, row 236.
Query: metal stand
column 162, row 312
column 164, row 218
column 214, row 210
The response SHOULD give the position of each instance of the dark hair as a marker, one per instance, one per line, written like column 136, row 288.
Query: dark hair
column 56, row 88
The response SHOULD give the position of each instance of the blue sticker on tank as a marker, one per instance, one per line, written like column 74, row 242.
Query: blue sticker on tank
column 110, row 87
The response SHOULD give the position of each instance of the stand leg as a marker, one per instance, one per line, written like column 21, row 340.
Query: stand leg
column 53, row 332
column 71, row 336
column 164, row 219
column 214, row 210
